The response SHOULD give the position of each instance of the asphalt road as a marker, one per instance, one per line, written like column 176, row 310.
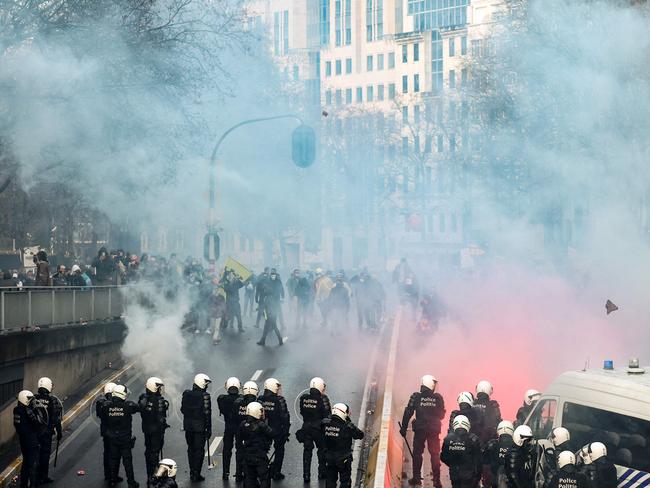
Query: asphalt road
column 341, row 360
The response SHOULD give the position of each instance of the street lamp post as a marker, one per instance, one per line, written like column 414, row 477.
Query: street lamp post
column 303, row 153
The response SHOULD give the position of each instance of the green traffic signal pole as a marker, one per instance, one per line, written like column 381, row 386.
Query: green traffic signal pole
column 213, row 162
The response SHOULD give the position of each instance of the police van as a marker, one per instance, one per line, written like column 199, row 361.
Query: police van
column 609, row 405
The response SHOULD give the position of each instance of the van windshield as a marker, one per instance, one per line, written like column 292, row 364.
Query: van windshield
column 627, row 438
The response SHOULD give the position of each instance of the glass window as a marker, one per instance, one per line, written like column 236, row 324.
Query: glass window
column 427, row 144
column 296, row 72
column 380, row 92
column 440, row 143
column 380, row 62
column 338, row 66
column 405, row 114
column 416, row 144
column 324, row 22
column 463, row 45
column 369, row 63
column 391, row 91
column 452, row 78
column 359, row 94
column 416, row 114
column 348, row 65
column 452, row 47
column 405, row 84
column 405, row 53
column 339, row 97
column 370, row 93
column 624, row 436
column 416, row 51
column 328, row 68
column 463, row 77
column 328, row 97
column 541, row 420
column 416, row 83
column 348, row 95
column 285, row 32
column 405, row 146
column 391, row 60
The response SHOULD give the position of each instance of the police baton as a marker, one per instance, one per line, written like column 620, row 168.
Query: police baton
column 207, row 445
column 405, row 440
column 56, row 453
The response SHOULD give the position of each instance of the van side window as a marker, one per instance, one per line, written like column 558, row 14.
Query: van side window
column 541, row 420
column 627, row 438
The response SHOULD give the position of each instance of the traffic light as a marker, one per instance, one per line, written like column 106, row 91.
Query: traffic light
column 211, row 247
column 303, row 146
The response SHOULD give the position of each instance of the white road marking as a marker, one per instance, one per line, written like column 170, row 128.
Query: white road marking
column 214, row 445
column 257, row 374
column 285, row 339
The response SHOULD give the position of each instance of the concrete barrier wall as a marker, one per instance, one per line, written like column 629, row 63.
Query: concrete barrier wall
column 69, row 355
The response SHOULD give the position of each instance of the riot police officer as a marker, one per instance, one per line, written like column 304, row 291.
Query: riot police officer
column 250, row 392
column 153, row 409
column 567, row 475
column 338, row 433
column 461, row 451
column 100, row 412
column 118, row 413
column 521, row 459
column 599, row 470
column 429, row 409
column 196, row 407
column 489, row 413
column 277, row 416
column 314, row 407
column 465, row 402
column 255, row 438
column 50, row 408
column 229, row 411
column 559, row 438
column 530, row 400
column 165, row 475
column 27, row 424
column 494, row 454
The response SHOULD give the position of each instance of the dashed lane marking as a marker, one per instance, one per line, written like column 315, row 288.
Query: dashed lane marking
column 257, row 374
column 214, row 445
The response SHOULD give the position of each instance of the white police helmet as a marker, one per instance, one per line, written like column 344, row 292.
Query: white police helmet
column 46, row 383
column 232, row 382
column 484, row 387
column 522, row 434
column 461, row 422
column 202, row 380
column 559, row 436
column 531, row 396
column 25, row 397
column 250, row 388
column 120, row 391
column 465, row 397
column 584, row 454
column 429, row 381
column 505, row 427
column 166, row 468
column 155, row 385
column 273, row 385
column 255, row 409
column 341, row 410
column 597, row 450
column 108, row 387
column 317, row 383
column 565, row 457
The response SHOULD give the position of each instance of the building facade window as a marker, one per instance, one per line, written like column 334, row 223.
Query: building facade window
column 348, row 22
column 416, row 114
column 405, row 114
column 348, row 66
column 328, row 68
column 405, row 53
column 391, row 91
column 374, row 20
column 296, row 72
column 416, row 144
column 380, row 62
column 463, row 77
column 338, row 21
column 405, row 146
column 285, row 32
column 416, row 83
column 434, row 14
column 370, row 93
column 463, row 45
column 452, row 78
column 427, row 144
column 416, row 52
column 369, row 60
column 440, row 143
column 324, row 22
column 452, row 47
column 405, row 84
column 359, row 94
column 338, row 67
column 339, row 97
column 328, row 97
column 380, row 93
column 436, row 61
column 391, row 60
column 348, row 95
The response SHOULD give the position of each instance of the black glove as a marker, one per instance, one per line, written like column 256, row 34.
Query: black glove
column 208, row 433
column 59, row 435
column 402, row 431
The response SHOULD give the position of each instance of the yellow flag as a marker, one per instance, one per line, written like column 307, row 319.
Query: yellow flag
column 240, row 270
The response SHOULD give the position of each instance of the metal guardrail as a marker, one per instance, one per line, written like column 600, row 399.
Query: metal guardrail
column 45, row 307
